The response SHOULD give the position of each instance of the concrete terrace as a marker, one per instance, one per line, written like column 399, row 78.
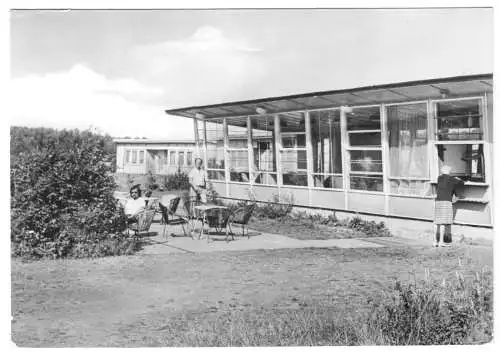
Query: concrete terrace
column 155, row 243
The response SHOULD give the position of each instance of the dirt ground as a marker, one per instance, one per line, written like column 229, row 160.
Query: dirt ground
column 128, row 301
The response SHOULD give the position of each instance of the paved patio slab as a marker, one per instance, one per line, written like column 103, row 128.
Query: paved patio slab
column 258, row 240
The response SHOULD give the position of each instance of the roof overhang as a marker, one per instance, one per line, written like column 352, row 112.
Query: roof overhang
column 152, row 141
column 449, row 87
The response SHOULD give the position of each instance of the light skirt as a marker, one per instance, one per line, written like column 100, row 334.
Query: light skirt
column 443, row 212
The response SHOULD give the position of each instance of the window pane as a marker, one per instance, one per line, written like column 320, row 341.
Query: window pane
column 366, row 161
column 459, row 120
column 215, row 144
column 293, row 123
column 466, row 161
column 293, row 160
column 407, row 135
column 127, row 156
column 266, row 178
column 411, row 187
column 326, row 141
column 293, row 128
column 363, row 119
column 365, row 139
column 141, row 157
column 237, row 132
column 264, row 152
column 216, row 175
column 164, row 157
column 328, row 181
column 367, row 182
column 134, row 156
column 181, row 158
column 189, row 158
column 172, row 157
column 295, row 178
column 238, row 166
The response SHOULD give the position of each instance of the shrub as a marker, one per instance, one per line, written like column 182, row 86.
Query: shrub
column 62, row 195
column 430, row 315
column 177, row 181
column 371, row 228
column 275, row 210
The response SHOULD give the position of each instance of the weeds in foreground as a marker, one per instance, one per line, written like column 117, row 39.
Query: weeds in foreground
column 429, row 314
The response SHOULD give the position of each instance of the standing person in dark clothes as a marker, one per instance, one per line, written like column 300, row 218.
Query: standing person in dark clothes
column 443, row 209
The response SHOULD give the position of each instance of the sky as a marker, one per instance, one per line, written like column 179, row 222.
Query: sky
column 118, row 70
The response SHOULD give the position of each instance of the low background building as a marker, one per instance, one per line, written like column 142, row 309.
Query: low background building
column 137, row 158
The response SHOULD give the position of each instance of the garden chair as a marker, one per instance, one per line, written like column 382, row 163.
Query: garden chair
column 217, row 218
column 144, row 220
column 170, row 217
column 242, row 216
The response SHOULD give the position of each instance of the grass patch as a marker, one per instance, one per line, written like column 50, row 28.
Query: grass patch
column 228, row 298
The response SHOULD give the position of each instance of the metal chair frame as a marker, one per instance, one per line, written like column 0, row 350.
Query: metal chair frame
column 246, row 213
column 171, row 217
column 144, row 221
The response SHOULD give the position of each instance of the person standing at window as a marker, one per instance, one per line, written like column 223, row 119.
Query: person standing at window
column 198, row 182
column 443, row 209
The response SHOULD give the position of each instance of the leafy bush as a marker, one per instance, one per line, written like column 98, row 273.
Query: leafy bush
column 275, row 210
column 62, row 195
column 371, row 228
column 177, row 181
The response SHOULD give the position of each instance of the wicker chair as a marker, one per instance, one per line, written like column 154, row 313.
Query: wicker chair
column 144, row 220
column 217, row 218
column 242, row 216
column 170, row 217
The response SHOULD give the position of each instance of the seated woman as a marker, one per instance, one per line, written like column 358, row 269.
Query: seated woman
column 134, row 204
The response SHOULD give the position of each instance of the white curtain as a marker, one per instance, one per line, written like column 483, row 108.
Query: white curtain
column 407, row 128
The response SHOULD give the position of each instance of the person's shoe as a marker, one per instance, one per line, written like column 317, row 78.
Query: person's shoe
column 435, row 244
column 445, row 245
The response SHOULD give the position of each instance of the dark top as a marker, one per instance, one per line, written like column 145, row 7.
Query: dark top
column 446, row 185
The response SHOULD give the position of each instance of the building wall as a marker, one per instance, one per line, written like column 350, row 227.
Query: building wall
column 157, row 158
column 475, row 210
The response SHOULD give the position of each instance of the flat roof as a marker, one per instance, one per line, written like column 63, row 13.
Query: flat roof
column 388, row 93
column 153, row 141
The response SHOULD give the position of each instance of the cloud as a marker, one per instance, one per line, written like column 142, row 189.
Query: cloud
column 80, row 98
column 204, row 68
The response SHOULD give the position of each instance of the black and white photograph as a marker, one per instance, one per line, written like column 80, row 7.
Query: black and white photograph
column 251, row 177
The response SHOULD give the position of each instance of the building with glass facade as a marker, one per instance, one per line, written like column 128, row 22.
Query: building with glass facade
column 373, row 150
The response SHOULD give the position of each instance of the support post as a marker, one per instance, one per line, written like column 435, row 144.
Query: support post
column 205, row 150
column 385, row 157
column 250, row 153
column 277, row 139
column 309, row 156
column 226, row 156
column 345, row 155
column 196, row 136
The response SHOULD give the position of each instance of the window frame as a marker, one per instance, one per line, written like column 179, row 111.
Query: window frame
column 230, row 149
column 270, row 129
column 141, row 157
column 332, row 175
column 172, row 154
column 296, row 149
column 348, row 149
column 483, row 126
column 429, row 133
column 206, row 149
